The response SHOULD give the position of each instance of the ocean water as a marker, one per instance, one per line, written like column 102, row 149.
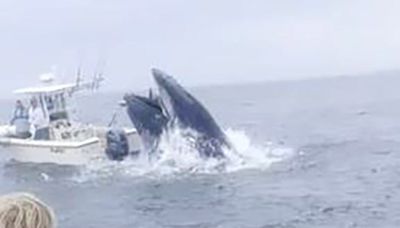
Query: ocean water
column 311, row 153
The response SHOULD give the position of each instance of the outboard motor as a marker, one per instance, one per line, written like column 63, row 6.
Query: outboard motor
column 117, row 145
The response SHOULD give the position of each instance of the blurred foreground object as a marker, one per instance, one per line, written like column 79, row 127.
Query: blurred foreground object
column 22, row 210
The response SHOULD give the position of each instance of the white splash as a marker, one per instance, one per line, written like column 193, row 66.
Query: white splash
column 45, row 177
column 248, row 155
column 179, row 157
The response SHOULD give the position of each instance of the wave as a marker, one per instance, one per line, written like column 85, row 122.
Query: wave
column 178, row 157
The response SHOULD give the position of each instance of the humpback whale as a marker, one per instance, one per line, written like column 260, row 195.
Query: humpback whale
column 148, row 118
column 175, row 107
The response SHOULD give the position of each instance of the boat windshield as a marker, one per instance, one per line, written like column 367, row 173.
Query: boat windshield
column 56, row 106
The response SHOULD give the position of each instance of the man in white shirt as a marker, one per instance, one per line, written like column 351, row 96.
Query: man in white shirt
column 38, row 119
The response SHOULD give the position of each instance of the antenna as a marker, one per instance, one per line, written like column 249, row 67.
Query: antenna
column 79, row 75
column 98, row 74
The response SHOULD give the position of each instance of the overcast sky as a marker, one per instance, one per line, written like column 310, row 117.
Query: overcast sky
column 201, row 42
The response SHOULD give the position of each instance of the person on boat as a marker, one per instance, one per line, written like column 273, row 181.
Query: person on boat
column 39, row 120
column 24, row 210
column 20, row 121
column 49, row 103
column 20, row 112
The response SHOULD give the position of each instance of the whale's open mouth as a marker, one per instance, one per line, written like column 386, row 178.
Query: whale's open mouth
column 176, row 107
column 166, row 103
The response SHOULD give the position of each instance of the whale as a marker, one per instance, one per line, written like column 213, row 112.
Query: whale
column 147, row 116
column 174, row 107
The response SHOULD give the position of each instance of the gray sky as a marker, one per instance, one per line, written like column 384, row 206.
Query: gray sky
column 201, row 42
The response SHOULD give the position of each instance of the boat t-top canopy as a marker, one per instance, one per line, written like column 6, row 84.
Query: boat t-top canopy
column 47, row 90
column 69, row 88
column 52, row 97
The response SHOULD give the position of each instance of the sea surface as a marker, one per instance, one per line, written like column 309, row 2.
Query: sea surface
column 311, row 153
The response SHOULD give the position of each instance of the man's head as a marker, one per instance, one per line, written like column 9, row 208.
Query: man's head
column 34, row 102
column 18, row 103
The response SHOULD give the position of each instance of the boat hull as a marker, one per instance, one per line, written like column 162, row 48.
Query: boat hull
column 59, row 152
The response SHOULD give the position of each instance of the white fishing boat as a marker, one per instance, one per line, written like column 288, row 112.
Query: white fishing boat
column 69, row 142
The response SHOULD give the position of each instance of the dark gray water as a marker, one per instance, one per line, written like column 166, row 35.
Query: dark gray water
column 343, row 172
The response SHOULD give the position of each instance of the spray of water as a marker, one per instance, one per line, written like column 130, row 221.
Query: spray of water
column 178, row 156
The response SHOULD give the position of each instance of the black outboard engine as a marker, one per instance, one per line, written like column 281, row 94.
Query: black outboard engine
column 117, row 145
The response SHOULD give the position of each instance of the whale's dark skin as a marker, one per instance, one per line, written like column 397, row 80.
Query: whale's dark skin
column 147, row 117
column 175, row 107
column 186, row 111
